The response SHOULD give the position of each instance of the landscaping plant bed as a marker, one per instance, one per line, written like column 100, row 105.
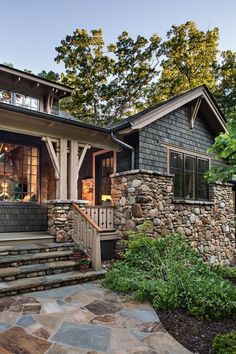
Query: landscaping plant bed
column 194, row 334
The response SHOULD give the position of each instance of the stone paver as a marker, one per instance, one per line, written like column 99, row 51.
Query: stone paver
column 81, row 319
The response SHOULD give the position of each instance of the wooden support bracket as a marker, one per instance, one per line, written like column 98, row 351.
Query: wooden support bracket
column 53, row 156
column 81, row 158
column 194, row 111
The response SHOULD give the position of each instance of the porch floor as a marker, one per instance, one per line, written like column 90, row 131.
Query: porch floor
column 10, row 238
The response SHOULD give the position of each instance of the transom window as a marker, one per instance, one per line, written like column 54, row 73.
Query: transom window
column 19, row 172
column 189, row 181
column 20, row 100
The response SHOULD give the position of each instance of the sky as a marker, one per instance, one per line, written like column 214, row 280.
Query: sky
column 31, row 29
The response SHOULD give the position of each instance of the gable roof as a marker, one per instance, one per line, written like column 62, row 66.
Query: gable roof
column 208, row 107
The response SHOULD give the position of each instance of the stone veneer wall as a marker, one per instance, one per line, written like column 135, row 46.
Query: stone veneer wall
column 209, row 226
column 60, row 219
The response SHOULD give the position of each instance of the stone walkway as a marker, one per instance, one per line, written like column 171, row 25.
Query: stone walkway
column 86, row 319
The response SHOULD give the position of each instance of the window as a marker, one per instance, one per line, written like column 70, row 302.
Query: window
column 19, row 100
column 19, row 172
column 189, row 181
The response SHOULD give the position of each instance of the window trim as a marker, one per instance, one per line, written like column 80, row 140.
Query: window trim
column 196, row 157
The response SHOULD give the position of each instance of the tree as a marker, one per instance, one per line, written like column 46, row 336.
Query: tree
column 8, row 64
column 225, row 149
column 189, row 60
column 110, row 82
column 49, row 75
column 226, row 91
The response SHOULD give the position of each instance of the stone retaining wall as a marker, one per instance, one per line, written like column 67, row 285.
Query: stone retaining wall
column 60, row 219
column 141, row 195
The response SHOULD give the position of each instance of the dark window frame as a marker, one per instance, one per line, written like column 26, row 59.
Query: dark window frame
column 14, row 101
column 197, row 174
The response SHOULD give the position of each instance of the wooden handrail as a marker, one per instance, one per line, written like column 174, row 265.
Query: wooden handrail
column 99, row 206
column 87, row 233
column 86, row 217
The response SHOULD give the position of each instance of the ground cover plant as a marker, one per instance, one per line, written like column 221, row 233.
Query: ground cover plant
column 171, row 275
column 225, row 344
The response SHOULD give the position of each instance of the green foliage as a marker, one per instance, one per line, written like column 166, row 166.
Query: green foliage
column 225, row 343
column 114, row 81
column 225, row 272
column 8, row 64
column 49, row 75
column 190, row 57
column 170, row 274
column 226, row 91
column 108, row 81
column 225, row 149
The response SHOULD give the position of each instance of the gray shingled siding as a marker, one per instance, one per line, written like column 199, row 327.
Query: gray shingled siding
column 172, row 129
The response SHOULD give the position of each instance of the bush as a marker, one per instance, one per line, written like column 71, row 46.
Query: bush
column 170, row 274
column 225, row 272
column 225, row 343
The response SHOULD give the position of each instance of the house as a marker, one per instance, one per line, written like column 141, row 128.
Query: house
column 90, row 184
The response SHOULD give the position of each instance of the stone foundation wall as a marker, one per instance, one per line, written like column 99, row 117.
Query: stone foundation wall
column 60, row 219
column 209, row 226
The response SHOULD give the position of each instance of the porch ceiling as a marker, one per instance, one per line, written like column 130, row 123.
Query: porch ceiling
column 37, row 126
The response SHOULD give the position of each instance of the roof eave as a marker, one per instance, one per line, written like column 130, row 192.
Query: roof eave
column 52, row 117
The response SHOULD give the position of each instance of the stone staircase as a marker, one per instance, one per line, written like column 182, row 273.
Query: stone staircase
column 32, row 267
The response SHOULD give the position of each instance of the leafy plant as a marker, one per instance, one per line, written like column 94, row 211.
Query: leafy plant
column 225, row 149
column 170, row 274
column 84, row 261
column 225, row 343
column 225, row 272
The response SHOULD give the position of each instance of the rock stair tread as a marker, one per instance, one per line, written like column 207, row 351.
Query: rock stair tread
column 33, row 268
column 34, row 256
column 35, row 246
column 30, row 283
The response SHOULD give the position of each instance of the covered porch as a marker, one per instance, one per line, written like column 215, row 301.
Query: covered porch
column 44, row 157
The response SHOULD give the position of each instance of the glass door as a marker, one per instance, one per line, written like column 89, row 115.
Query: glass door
column 103, row 169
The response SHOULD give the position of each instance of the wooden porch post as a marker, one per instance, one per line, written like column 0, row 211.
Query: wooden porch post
column 62, row 181
column 73, row 174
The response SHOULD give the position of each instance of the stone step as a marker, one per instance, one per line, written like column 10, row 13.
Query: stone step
column 13, row 238
column 35, row 248
column 47, row 282
column 35, row 270
column 42, row 257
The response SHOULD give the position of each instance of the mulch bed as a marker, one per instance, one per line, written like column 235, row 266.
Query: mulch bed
column 195, row 335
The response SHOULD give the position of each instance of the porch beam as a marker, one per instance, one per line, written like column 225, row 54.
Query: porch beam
column 53, row 156
column 81, row 158
column 194, row 111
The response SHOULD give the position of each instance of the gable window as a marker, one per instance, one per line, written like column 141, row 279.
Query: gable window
column 189, row 181
column 20, row 100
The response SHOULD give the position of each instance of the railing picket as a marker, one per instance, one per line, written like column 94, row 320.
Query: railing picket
column 101, row 215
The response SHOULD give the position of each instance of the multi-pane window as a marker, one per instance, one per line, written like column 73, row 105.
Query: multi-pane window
column 20, row 100
column 19, row 172
column 189, row 171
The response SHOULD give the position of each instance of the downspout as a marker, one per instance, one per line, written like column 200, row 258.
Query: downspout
column 126, row 146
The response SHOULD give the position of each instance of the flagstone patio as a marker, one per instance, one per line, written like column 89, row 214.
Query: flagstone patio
column 84, row 318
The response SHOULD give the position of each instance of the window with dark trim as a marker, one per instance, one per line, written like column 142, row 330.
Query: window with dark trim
column 189, row 171
column 19, row 172
column 20, row 100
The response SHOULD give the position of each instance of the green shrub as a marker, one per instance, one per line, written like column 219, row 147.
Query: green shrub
column 170, row 274
column 225, row 272
column 225, row 343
